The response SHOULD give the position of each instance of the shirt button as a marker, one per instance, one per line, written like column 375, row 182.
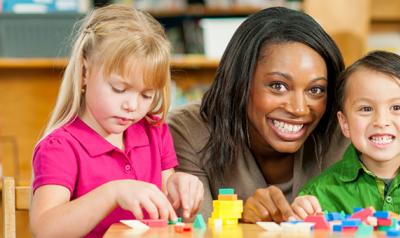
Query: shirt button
column 388, row 199
column 127, row 167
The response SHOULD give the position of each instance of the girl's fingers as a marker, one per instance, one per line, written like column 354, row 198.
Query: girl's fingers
column 198, row 199
column 136, row 209
column 151, row 208
column 184, row 190
column 173, row 194
column 171, row 213
column 161, row 203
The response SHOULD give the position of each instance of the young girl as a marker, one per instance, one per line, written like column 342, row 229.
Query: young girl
column 105, row 156
column 368, row 95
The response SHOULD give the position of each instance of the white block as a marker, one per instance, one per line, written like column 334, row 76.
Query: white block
column 269, row 226
column 288, row 227
column 135, row 224
column 304, row 226
column 217, row 223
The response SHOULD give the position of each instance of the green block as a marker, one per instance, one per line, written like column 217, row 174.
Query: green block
column 174, row 222
column 226, row 191
column 383, row 228
column 199, row 222
column 364, row 230
column 394, row 224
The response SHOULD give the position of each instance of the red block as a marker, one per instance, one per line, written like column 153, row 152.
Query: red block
column 320, row 222
column 155, row 222
column 183, row 228
column 384, row 222
column 178, row 229
column 363, row 214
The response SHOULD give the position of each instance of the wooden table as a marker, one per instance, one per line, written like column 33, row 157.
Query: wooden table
column 120, row 230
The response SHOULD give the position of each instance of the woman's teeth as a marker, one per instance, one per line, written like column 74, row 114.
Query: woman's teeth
column 286, row 127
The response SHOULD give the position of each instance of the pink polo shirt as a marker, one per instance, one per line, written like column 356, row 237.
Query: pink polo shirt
column 76, row 157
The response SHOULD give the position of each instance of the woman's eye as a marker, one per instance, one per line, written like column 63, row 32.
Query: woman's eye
column 317, row 90
column 278, row 86
column 396, row 107
column 118, row 90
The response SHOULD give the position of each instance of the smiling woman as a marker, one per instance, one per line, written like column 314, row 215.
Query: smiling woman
column 264, row 127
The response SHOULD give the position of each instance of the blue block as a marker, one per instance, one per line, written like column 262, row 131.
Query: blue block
column 337, row 228
column 351, row 222
column 357, row 209
column 294, row 221
column 334, row 216
column 393, row 233
column 381, row 214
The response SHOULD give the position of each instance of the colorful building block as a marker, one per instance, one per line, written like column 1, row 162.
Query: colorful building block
column 155, row 222
column 227, row 197
column 135, row 224
column 364, row 213
column 364, row 230
column 226, row 191
column 199, row 222
column 320, row 222
column 381, row 214
column 269, row 226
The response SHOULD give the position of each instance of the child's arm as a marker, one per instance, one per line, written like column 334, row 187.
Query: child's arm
column 52, row 213
column 184, row 190
column 306, row 205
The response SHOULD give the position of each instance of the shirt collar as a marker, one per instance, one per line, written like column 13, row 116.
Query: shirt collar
column 95, row 144
column 351, row 165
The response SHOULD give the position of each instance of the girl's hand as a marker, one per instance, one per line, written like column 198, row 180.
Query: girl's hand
column 134, row 195
column 185, row 191
column 267, row 204
column 306, row 205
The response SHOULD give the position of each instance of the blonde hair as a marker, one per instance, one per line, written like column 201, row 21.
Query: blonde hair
column 114, row 37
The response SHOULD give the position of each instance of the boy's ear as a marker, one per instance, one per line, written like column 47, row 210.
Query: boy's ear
column 344, row 125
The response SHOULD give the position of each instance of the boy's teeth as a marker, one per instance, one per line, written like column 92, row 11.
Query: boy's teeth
column 286, row 127
column 381, row 139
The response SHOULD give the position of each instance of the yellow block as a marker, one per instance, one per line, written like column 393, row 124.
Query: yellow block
column 216, row 214
column 228, row 204
column 225, row 221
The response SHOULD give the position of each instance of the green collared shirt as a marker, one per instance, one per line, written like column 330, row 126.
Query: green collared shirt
column 348, row 184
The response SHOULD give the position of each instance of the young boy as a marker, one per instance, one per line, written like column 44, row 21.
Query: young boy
column 368, row 95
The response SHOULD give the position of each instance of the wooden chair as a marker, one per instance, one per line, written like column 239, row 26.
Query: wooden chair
column 14, row 198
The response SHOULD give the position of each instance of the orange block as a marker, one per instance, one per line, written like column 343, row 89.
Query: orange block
column 228, row 197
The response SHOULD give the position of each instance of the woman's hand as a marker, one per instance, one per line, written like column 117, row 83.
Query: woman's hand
column 306, row 205
column 185, row 191
column 267, row 204
column 134, row 195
